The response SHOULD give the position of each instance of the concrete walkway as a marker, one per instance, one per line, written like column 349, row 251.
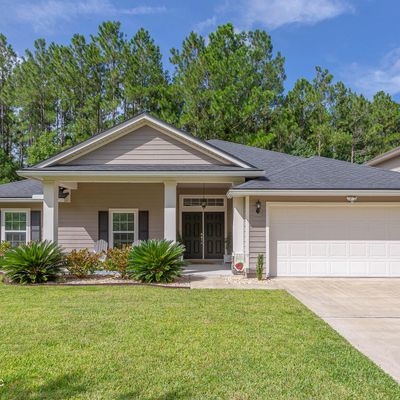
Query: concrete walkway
column 365, row 311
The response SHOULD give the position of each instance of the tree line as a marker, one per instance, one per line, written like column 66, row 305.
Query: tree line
column 229, row 86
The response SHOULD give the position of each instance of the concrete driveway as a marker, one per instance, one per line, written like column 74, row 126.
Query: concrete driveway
column 365, row 311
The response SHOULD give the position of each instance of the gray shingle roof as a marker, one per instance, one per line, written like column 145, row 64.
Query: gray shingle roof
column 269, row 161
column 21, row 189
column 326, row 173
column 282, row 171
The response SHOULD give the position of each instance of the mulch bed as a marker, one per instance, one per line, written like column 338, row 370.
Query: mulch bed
column 109, row 280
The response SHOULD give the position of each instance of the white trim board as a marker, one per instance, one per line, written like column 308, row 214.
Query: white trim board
column 319, row 192
column 64, row 175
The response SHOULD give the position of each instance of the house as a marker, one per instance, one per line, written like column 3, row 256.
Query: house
column 389, row 160
column 144, row 178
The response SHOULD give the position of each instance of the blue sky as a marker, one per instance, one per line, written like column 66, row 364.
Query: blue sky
column 357, row 40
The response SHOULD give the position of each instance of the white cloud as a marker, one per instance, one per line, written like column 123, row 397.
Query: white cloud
column 386, row 76
column 276, row 13
column 44, row 15
column 206, row 24
column 273, row 14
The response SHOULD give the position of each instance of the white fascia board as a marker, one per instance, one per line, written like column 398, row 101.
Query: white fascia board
column 348, row 192
column 21, row 199
column 43, row 175
column 139, row 121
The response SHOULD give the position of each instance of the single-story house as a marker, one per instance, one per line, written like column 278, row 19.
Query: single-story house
column 144, row 178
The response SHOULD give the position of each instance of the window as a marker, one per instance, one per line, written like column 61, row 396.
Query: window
column 210, row 202
column 15, row 226
column 123, row 226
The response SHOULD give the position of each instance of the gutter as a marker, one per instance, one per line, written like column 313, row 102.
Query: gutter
column 319, row 192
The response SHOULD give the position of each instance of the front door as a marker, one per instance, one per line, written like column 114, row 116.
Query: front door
column 192, row 229
column 214, row 235
column 203, row 234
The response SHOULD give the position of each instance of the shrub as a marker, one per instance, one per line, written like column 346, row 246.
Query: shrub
column 260, row 266
column 156, row 261
column 33, row 262
column 4, row 246
column 82, row 262
column 117, row 260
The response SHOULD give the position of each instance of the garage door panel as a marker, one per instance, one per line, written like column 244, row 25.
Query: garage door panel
column 378, row 249
column 394, row 268
column 378, row 268
column 298, row 267
column 394, row 249
column 319, row 249
column 338, row 249
column 335, row 241
column 319, row 268
column 358, row 249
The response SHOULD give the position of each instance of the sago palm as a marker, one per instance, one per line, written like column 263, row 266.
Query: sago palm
column 33, row 262
column 156, row 261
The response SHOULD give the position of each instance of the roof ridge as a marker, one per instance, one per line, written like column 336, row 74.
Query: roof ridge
column 290, row 166
column 255, row 147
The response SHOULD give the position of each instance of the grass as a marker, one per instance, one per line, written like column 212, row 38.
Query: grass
column 149, row 343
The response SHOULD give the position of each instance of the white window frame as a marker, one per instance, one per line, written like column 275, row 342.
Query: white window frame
column 113, row 211
column 27, row 211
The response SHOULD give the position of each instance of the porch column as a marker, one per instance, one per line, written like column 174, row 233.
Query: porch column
column 50, row 210
column 238, row 227
column 170, row 210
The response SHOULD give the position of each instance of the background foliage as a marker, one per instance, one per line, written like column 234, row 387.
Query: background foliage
column 229, row 86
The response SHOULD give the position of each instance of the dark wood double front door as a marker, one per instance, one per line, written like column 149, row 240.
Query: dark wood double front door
column 203, row 234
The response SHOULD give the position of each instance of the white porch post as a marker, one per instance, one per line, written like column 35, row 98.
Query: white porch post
column 50, row 210
column 170, row 210
column 238, row 227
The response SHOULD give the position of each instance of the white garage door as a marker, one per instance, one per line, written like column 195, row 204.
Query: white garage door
column 328, row 240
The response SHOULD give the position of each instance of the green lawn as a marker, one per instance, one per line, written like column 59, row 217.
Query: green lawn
column 153, row 343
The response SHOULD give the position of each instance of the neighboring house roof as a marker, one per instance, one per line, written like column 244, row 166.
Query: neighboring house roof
column 384, row 157
column 125, row 127
column 21, row 189
column 325, row 174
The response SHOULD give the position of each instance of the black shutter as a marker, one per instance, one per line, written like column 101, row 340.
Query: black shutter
column 103, row 225
column 36, row 225
column 143, row 225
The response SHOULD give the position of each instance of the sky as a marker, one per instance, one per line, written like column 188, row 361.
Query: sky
column 358, row 41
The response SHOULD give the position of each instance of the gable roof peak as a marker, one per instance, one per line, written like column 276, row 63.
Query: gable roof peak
column 122, row 128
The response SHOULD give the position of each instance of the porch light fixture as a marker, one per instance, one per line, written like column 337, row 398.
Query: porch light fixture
column 258, row 207
column 351, row 199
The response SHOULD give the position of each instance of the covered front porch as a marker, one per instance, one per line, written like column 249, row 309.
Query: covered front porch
column 197, row 213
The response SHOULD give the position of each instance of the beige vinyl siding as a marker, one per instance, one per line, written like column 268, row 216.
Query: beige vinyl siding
column 257, row 232
column 78, row 220
column 146, row 146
